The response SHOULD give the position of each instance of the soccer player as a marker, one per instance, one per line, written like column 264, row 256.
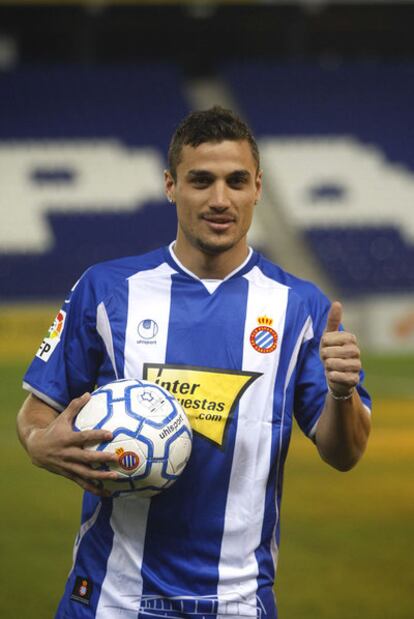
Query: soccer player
column 246, row 346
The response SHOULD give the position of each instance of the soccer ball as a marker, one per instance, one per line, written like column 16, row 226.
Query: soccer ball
column 152, row 436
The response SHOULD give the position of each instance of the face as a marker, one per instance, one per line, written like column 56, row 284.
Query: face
column 215, row 191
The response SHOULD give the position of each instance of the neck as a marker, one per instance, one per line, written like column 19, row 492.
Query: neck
column 211, row 266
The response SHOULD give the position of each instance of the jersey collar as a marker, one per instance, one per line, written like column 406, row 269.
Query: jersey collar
column 243, row 268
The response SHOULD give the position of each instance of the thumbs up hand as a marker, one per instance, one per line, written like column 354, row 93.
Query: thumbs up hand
column 340, row 355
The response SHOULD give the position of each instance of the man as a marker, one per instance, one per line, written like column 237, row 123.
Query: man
column 255, row 343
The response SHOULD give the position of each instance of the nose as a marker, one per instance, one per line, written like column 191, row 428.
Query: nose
column 219, row 198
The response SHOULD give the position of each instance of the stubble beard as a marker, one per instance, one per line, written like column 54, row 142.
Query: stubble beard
column 214, row 249
column 214, row 246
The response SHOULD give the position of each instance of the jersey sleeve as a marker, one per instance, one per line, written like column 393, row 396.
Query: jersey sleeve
column 67, row 361
column 311, row 386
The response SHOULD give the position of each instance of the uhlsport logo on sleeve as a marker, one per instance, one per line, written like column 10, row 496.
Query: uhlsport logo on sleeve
column 53, row 338
column 209, row 396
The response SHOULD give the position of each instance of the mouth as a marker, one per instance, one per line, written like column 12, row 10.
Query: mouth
column 218, row 223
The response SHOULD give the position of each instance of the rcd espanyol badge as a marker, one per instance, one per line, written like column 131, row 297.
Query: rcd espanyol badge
column 263, row 338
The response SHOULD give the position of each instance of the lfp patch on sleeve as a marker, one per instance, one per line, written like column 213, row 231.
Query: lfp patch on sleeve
column 53, row 338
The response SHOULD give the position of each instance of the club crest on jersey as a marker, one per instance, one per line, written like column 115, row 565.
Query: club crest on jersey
column 263, row 338
column 53, row 338
column 127, row 460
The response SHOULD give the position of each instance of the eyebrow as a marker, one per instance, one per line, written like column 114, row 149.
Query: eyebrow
column 238, row 174
column 198, row 173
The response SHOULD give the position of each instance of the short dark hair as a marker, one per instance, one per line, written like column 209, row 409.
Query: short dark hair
column 213, row 125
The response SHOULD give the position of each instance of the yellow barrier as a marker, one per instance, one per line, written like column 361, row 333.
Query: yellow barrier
column 22, row 328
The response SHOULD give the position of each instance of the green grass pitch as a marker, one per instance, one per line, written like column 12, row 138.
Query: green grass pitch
column 347, row 539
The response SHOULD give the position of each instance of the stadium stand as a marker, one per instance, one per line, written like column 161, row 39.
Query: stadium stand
column 80, row 166
column 338, row 152
column 82, row 152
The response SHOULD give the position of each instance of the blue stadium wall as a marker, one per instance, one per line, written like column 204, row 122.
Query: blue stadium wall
column 129, row 113
column 369, row 105
column 110, row 110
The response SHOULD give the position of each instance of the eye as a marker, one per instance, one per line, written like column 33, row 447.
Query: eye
column 201, row 181
column 237, row 181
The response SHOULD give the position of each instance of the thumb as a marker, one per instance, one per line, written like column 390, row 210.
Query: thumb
column 334, row 317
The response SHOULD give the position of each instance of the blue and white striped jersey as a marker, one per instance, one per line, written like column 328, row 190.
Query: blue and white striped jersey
column 242, row 356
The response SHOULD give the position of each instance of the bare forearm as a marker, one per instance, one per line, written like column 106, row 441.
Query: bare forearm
column 52, row 444
column 342, row 431
column 33, row 415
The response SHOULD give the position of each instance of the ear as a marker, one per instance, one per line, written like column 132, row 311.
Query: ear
column 169, row 186
column 258, row 183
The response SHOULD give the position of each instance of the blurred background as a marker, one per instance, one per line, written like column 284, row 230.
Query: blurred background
column 90, row 93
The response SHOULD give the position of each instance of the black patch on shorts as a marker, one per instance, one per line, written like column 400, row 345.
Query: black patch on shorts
column 82, row 590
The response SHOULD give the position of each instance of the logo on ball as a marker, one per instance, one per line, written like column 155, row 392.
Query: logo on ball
column 128, row 460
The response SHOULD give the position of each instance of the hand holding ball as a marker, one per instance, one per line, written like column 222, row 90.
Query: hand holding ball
column 152, row 436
